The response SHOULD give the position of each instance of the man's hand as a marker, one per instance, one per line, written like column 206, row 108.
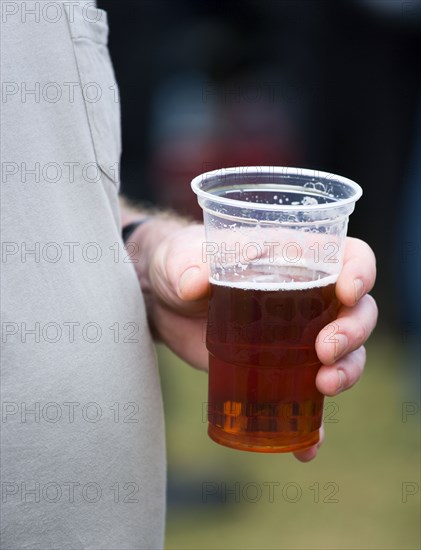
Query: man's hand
column 174, row 280
column 175, row 285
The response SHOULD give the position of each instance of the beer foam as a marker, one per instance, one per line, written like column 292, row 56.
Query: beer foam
column 247, row 284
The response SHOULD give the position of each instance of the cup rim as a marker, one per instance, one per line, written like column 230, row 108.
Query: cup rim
column 277, row 170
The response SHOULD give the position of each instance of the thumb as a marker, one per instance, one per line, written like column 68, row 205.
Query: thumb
column 193, row 283
column 177, row 272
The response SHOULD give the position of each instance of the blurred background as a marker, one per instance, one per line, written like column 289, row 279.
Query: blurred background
column 332, row 86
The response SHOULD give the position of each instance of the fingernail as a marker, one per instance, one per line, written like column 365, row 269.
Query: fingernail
column 340, row 345
column 358, row 289
column 186, row 279
column 342, row 381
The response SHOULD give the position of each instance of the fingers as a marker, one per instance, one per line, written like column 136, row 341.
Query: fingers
column 349, row 332
column 358, row 272
column 340, row 346
column 341, row 376
column 310, row 454
column 330, row 381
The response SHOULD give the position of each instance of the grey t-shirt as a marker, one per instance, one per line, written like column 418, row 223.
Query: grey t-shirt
column 82, row 433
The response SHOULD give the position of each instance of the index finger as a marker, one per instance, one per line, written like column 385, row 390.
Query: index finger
column 358, row 272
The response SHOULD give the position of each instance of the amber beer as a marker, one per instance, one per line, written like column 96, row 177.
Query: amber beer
column 275, row 241
column 261, row 335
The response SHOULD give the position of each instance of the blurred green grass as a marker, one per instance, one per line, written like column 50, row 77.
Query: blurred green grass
column 350, row 497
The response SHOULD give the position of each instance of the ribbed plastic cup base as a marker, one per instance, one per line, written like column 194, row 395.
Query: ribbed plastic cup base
column 282, row 443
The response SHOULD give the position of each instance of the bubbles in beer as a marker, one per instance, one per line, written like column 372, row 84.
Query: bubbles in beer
column 274, row 277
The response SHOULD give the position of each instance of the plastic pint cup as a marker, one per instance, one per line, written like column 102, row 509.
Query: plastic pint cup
column 274, row 243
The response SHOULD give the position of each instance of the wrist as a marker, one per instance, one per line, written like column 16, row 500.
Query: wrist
column 130, row 228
